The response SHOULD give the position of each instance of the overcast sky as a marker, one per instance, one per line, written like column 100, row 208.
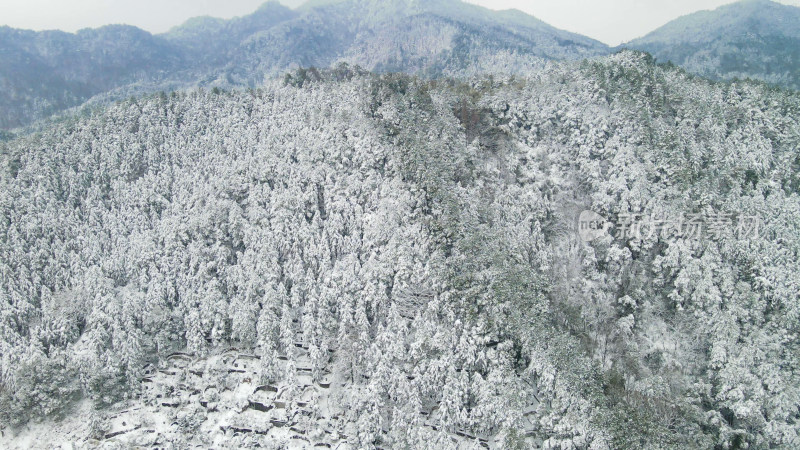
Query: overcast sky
column 610, row 21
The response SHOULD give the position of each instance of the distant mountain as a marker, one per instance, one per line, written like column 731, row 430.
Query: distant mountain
column 756, row 39
column 210, row 41
column 46, row 72
column 431, row 38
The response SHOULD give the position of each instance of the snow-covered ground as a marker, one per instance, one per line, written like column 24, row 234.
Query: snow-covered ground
column 216, row 402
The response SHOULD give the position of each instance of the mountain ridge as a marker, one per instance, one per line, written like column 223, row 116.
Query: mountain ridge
column 758, row 39
column 243, row 51
column 43, row 73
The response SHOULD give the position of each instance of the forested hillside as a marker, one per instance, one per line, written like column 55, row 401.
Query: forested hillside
column 399, row 261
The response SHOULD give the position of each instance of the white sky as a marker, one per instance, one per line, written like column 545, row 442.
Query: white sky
column 610, row 21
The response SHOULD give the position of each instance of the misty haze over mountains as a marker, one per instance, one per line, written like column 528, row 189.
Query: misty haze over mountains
column 42, row 73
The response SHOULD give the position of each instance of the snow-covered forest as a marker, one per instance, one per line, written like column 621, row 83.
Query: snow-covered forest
column 406, row 250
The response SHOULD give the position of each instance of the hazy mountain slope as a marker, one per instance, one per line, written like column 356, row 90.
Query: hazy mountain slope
column 43, row 73
column 210, row 41
column 47, row 72
column 397, row 264
column 34, row 92
column 431, row 38
column 368, row 13
column 756, row 39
